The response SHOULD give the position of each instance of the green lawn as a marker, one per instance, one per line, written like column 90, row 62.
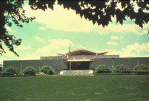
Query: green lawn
column 75, row 88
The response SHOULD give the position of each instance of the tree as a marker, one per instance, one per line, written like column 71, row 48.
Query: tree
column 96, row 14
column 122, row 69
column 141, row 67
column 103, row 69
column 48, row 70
column 11, row 9
column 11, row 71
column 29, row 70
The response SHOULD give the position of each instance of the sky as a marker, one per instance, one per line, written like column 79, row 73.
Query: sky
column 53, row 31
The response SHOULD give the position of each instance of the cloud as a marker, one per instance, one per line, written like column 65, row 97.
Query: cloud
column 42, row 28
column 8, row 54
column 137, row 47
column 9, row 29
column 122, row 37
column 81, row 47
column 25, row 48
column 30, row 56
column 133, row 50
column 146, row 56
column 56, row 45
column 61, row 42
column 117, row 37
column 2, row 59
column 67, row 20
column 114, row 37
column 39, row 39
column 112, row 43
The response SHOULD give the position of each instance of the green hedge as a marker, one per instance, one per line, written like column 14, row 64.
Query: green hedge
column 141, row 67
column 122, row 69
column 10, row 71
column 102, row 69
column 140, row 72
column 1, row 69
column 29, row 70
column 48, row 70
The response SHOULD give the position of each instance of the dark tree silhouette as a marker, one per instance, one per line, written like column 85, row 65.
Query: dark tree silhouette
column 13, row 10
column 96, row 14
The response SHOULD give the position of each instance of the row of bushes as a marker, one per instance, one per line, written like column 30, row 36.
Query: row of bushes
column 28, row 71
column 139, row 69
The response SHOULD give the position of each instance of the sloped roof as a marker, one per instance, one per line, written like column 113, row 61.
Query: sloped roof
column 81, row 52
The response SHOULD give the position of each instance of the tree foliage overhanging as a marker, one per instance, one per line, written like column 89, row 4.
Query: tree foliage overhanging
column 95, row 13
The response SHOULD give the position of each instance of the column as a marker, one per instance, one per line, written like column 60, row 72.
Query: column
column 20, row 65
column 70, row 65
column 113, row 65
column 137, row 62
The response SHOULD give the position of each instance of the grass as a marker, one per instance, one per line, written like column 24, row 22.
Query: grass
column 75, row 88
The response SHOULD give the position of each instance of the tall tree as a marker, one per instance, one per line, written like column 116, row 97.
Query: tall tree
column 98, row 12
column 10, row 9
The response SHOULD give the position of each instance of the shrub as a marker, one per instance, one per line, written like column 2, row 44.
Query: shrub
column 141, row 67
column 102, row 69
column 48, row 70
column 121, row 69
column 140, row 72
column 29, row 70
column 1, row 69
column 10, row 71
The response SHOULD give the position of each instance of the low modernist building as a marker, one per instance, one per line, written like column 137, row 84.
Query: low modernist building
column 78, row 60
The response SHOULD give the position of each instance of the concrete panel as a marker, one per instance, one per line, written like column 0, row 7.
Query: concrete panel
column 129, row 62
column 56, row 64
column 60, row 64
column 14, row 64
column 103, row 61
column 37, row 64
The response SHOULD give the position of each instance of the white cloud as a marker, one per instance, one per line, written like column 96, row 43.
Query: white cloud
column 39, row 39
column 122, row 28
column 9, row 53
column 146, row 56
column 112, row 43
column 31, row 56
column 114, row 37
column 9, row 29
column 133, row 50
column 42, row 28
column 25, row 48
column 55, row 46
column 67, row 20
column 61, row 42
column 81, row 47
column 137, row 47
column 122, row 37
column 117, row 37
column 2, row 59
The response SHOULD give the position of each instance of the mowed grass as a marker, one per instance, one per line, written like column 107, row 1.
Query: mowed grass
column 75, row 88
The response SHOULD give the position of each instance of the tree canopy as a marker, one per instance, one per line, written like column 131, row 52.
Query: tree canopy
column 97, row 11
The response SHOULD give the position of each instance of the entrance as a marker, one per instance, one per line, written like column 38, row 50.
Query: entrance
column 79, row 65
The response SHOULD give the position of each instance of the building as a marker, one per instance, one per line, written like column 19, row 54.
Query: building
column 78, row 60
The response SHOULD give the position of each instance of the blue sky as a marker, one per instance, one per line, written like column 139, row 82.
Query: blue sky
column 53, row 31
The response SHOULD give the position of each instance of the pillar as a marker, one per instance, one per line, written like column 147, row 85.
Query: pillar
column 137, row 62
column 113, row 65
column 70, row 65
column 20, row 65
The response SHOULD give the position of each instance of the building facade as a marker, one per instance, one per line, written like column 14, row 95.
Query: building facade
column 77, row 60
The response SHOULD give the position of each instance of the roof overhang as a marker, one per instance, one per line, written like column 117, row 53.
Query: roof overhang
column 80, row 60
